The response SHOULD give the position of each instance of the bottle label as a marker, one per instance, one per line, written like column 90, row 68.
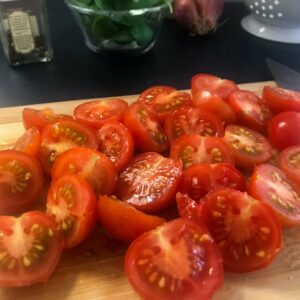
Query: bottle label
column 19, row 23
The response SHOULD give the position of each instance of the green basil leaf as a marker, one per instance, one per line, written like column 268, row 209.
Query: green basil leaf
column 104, row 27
column 84, row 3
column 143, row 34
column 122, row 37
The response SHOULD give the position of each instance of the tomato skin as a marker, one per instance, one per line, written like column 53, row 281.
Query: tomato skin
column 123, row 221
column 175, row 241
column 188, row 120
column 149, row 182
column 289, row 162
column 249, row 147
column 91, row 165
column 21, row 181
column 16, row 236
column 71, row 201
column 150, row 93
column 246, row 230
column 270, row 185
column 147, row 132
column 251, row 111
column 279, row 99
column 97, row 112
column 284, row 130
column 116, row 142
column 206, row 82
column 194, row 149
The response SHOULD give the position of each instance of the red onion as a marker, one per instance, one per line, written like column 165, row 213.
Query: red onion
column 199, row 16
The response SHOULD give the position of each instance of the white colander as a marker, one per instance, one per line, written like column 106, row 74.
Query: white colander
column 276, row 20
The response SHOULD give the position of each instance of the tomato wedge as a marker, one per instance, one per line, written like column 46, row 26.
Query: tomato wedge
column 147, row 132
column 71, row 201
column 194, row 149
column 21, row 181
column 192, row 121
column 221, row 87
column 30, row 248
column 249, row 147
column 116, row 142
column 270, row 185
column 123, row 221
column 91, row 165
column 187, row 207
column 149, row 182
column 246, row 230
column 178, row 260
column 95, row 113
column 149, row 94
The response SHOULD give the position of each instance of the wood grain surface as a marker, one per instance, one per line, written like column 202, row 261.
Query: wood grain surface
column 94, row 270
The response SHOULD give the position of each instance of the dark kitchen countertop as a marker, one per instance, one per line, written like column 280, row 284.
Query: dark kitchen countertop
column 76, row 72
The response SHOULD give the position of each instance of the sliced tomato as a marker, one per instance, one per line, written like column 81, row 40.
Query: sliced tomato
column 30, row 248
column 72, row 203
column 149, row 182
column 149, row 94
column 246, row 230
column 284, row 130
column 147, row 132
column 213, row 103
column 270, row 185
column 116, row 142
column 123, row 221
column 279, row 99
column 95, row 113
column 194, row 149
column 221, row 87
column 29, row 142
column 163, row 104
column 289, row 162
column 91, row 165
column 250, row 110
column 61, row 136
column 249, row 147
column 199, row 179
column 178, row 260
column 39, row 118
column 187, row 207
column 192, row 121
column 21, row 181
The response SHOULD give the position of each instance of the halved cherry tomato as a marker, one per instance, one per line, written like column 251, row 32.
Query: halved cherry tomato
column 116, row 142
column 91, row 165
column 163, row 104
column 30, row 248
column 39, row 118
column 213, row 103
column 146, row 130
column 61, row 136
column 149, row 94
column 249, row 147
column 123, row 221
column 284, row 129
column 289, row 162
column 279, row 99
column 21, row 181
column 187, row 207
column 270, row 185
column 199, row 179
column 95, row 113
column 221, row 87
column 72, row 203
column 250, row 110
column 194, row 149
column 192, row 121
column 178, row 260
column 149, row 182
column 29, row 142
column 246, row 230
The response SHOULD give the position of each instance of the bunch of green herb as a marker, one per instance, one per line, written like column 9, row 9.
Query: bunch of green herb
column 121, row 28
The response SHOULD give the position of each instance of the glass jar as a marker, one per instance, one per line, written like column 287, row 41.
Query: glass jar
column 24, row 31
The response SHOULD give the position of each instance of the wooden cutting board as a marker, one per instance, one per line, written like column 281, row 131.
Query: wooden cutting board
column 94, row 270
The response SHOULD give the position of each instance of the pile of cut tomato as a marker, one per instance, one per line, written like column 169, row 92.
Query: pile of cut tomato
column 228, row 159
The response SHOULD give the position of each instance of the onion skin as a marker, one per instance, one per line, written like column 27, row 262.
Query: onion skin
column 199, row 16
